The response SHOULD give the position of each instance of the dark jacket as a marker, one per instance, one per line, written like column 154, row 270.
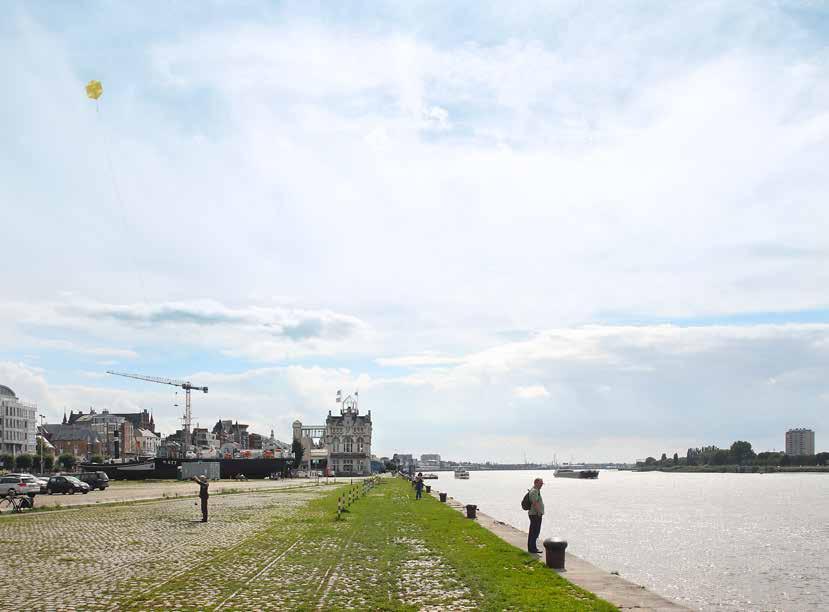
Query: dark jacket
column 203, row 490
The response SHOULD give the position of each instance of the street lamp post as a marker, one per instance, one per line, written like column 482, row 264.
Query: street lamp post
column 41, row 443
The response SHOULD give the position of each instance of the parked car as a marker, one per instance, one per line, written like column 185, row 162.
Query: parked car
column 41, row 481
column 66, row 484
column 19, row 485
column 95, row 480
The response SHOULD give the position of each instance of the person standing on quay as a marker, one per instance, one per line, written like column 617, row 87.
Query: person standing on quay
column 203, row 495
column 419, row 485
column 536, row 512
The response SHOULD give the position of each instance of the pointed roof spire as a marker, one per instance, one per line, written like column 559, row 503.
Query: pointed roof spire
column 64, row 415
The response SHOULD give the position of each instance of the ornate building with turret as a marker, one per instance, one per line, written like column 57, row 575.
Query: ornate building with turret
column 343, row 445
column 348, row 439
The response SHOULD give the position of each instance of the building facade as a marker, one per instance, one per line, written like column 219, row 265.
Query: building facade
column 800, row 442
column 139, row 420
column 115, row 432
column 203, row 438
column 429, row 462
column 82, row 442
column 348, row 439
column 342, row 445
column 228, row 431
column 18, row 424
column 146, row 443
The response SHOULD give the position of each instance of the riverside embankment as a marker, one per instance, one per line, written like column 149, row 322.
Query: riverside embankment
column 727, row 542
column 276, row 550
column 609, row 586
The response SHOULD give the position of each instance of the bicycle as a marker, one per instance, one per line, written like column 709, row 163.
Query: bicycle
column 13, row 502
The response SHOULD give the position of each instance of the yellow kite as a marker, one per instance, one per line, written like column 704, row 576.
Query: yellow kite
column 94, row 89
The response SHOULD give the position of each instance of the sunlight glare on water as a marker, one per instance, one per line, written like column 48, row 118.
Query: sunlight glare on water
column 708, row 541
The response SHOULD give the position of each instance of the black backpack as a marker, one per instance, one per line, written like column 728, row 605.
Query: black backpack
column 525, row 503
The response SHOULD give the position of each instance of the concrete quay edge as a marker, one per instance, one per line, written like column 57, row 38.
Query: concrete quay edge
column 622, row 593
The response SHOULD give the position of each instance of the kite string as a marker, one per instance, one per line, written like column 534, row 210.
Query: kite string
column 122, row 205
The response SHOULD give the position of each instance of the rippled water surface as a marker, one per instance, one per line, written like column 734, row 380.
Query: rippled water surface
column 709, row 541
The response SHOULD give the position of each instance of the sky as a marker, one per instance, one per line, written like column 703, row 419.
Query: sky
column 596, row 231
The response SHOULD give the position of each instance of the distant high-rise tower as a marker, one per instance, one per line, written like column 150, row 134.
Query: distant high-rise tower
column 800, row 442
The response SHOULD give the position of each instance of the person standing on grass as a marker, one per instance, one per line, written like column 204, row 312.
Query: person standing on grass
column 419, row 485
column 536, row 512
column 203, row 495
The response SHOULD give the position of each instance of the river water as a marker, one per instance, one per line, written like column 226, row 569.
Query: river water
column 707, row 541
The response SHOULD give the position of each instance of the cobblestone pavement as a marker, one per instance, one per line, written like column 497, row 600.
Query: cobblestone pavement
column 315, row 563
column 92, row 558
column 263, row 550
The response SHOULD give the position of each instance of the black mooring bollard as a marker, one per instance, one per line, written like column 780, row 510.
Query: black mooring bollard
column 428, row 488
column 442, row 497
column 471, row 509
column 554, row 549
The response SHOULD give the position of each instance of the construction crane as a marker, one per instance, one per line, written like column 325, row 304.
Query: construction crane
column 175, row 383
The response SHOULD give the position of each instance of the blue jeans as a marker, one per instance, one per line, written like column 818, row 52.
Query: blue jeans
column 535, row 531
column 419, row 492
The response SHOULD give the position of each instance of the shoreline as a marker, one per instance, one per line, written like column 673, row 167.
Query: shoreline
column 620, row 592
column 733, row 469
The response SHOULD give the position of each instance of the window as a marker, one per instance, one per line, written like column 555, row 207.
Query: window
column 359, row 445
column 347, row 445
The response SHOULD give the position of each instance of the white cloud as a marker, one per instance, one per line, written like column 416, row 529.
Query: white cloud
column 425, row 359
column 531, row 392
column 264, row 333
column 65, row 345
column 632, row 384
column 417, row 190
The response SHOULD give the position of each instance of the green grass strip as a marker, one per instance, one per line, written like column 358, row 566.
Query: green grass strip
column 507, row 578
column 386, row 552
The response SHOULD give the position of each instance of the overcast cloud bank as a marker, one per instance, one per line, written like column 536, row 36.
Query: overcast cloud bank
column 592, row 230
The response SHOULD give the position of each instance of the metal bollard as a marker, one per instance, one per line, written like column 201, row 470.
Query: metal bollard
column 471, row 510
column 554, row 551
column 442, row 497
column 428, row 488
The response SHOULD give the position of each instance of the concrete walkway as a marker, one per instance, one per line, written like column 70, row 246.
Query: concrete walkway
column 621, row 593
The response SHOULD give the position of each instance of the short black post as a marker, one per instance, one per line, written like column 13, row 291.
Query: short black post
column 428, row 488
column 442, row 496
column 471, row 509
column 554, row 549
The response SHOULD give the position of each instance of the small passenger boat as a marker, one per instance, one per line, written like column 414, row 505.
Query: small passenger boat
column 462, row 474
column 430, row 476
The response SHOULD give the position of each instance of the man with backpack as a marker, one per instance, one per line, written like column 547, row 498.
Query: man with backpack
column 534, row 505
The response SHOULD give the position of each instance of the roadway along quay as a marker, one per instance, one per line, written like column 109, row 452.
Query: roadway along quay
column 137, row 490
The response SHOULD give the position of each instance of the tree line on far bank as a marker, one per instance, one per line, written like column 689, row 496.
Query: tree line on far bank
column 740, row 453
